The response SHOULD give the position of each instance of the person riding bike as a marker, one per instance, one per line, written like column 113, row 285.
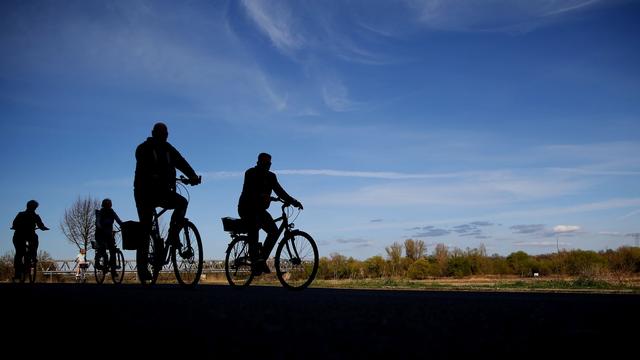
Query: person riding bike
column 105, row 217
column 81, row 260
column 25, row 225
column 254, row 201
column 155, row 185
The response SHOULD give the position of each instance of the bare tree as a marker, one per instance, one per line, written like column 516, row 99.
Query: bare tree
column 415, row 249
column 395, row 255
column 79, row 222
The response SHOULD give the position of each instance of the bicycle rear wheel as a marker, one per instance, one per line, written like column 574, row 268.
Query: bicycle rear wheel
column 187, row 257
column 237, row 263
column 296, row 260
column 100, row 268
column 117, row 273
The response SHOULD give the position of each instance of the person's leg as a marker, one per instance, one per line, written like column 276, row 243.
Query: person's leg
column 267, row 224
column 18, row 266
column 250, row 218
column 179, row 205
column 111, row 245
column 145, row 215
column 100, row 251
column 33, row 248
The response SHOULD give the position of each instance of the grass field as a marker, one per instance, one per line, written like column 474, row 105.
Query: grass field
column 472, row 283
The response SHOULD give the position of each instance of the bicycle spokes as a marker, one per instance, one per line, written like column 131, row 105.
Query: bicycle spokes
column 238, row 263
column 296, row 260
column 187, row 256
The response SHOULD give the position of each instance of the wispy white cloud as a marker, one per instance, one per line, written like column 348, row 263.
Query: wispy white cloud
column 564, row 229
column 127, row 46
column 567, row 6
column 275, row 20
column 629, row 215
column 501, row 15
column 336, row 96
column 222, row 174
column 373, row 174
column 617, row 203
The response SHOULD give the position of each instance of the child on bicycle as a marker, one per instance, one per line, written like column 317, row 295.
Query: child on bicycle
column 105, row 217
column 25, row 225
column 81, row 259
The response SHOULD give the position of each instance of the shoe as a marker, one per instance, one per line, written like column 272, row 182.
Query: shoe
column 145, row 275
column 265, row 268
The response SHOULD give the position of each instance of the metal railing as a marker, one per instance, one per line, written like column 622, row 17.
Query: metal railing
column 69, row 267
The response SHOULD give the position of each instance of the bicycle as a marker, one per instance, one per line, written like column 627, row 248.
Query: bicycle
column 186, row 257
column 81, row 276
column 296, row 258
column 102, row 264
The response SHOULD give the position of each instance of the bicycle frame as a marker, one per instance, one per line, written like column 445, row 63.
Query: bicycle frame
column 285, row 227
column 155, row 234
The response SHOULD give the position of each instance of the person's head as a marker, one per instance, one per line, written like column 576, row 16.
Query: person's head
column 160, row 132
column 264, row 161
column 32, row 205
column 82, row 251
column 106, row 203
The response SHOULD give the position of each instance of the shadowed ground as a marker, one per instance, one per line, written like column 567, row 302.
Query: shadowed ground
column 316, row 323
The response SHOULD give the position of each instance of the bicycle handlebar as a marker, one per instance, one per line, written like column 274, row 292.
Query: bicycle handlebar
column 188, row 181
column 284, row 203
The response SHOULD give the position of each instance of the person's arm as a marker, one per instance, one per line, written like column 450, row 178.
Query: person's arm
column 40, row 224
column 117, row 218
column 182, row 164
column 283, row 194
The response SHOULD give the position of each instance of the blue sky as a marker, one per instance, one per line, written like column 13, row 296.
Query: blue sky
column 513, row 124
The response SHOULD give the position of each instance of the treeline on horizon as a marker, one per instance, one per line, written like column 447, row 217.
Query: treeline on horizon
column 410, row 260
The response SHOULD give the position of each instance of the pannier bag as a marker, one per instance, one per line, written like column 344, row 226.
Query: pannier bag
column 131, row 234
column 234, row 225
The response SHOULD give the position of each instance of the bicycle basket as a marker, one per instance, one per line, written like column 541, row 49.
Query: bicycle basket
column 131, row 234
column 233, row 225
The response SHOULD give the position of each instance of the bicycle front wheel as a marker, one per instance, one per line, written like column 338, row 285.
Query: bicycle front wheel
column 296, row 260
column 117, row 272
column 100, row 268
column 187, row 256
column 237, row 263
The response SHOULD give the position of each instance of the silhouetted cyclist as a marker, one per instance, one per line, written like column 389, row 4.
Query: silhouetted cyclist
column 254, row 201
column 105, row 217
column 155, row 185
column 25, row 225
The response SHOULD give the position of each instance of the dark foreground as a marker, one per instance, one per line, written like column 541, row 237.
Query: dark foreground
column 56, row 320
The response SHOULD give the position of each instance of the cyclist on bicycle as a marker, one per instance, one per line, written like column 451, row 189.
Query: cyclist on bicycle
column 254, row 201
column 25, row 225
column 81, row 260
column 155, row 185
column 105, row 217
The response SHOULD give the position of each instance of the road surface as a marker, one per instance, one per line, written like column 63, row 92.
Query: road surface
column 56, row 320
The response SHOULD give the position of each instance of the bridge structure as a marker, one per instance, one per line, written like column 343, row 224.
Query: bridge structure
column 69, row 267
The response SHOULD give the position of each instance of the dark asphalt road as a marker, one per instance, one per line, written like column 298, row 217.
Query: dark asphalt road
column 167, row 320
